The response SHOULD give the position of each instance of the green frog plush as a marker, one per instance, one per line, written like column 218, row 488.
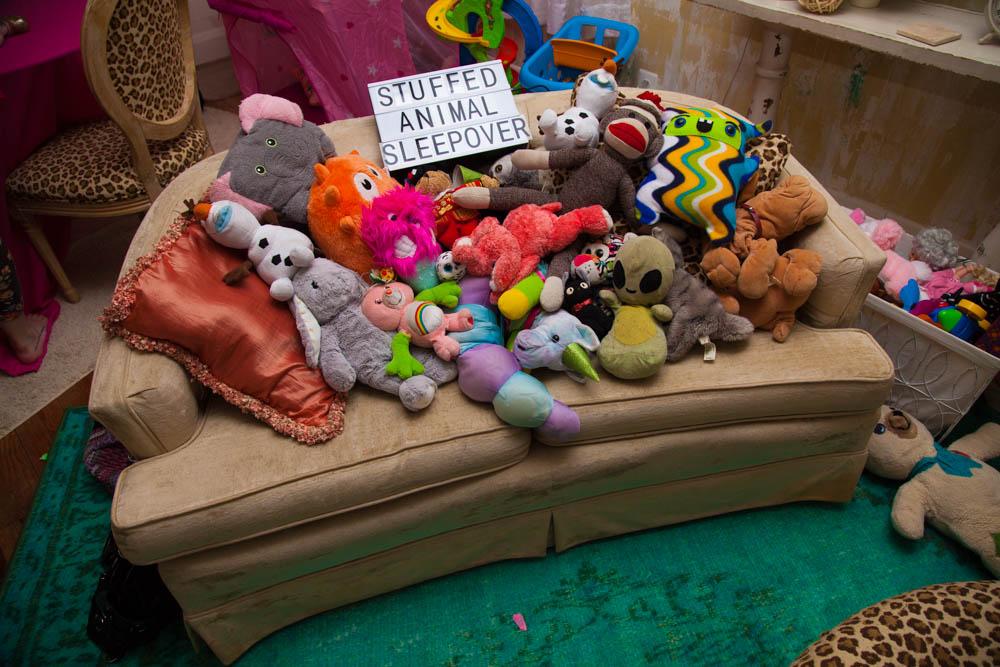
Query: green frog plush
column 636, row 346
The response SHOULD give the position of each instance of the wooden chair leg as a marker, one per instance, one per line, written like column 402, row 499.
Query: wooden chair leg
column 37, row 238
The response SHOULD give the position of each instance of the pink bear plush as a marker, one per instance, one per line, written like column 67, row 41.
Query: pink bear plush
column 392, row 307
column 511, row 251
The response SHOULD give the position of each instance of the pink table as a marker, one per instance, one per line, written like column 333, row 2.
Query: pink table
column 42, row 90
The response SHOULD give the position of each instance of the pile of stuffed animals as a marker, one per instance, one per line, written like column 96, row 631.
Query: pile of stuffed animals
column 933, row 282
column 557, row 258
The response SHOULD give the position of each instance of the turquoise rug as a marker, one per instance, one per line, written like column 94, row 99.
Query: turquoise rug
column 749, row 588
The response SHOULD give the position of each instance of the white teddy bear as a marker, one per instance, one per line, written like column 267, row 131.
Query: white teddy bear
column 953, row 489
column 276, row 252
column 574, row 128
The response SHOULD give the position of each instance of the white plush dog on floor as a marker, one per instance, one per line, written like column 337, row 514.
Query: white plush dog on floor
column 952, row 488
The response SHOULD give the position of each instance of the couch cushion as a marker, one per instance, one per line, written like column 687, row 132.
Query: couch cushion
column 237, row 478
column 813, row 372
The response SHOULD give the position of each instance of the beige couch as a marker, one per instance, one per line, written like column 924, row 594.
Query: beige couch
column 253, row 532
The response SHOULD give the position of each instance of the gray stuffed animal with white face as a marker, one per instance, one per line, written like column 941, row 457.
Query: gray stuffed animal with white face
column 346, row 347
column 270, row 165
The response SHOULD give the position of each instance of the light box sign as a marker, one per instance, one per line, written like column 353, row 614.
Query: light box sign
column 446, row 114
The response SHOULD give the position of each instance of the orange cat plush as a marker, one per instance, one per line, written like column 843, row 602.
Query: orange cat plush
column 343, row 185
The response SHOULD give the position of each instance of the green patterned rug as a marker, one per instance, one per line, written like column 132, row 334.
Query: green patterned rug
column 749, row 588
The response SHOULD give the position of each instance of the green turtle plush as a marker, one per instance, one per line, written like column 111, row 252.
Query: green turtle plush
column 636, row 346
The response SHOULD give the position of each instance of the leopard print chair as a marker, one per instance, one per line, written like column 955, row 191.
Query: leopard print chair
column 140, row 65
column 946, row 624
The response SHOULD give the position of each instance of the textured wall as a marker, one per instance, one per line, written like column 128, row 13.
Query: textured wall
column 920, row 144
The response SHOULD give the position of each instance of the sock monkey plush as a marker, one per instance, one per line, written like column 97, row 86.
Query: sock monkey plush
column 600, row 175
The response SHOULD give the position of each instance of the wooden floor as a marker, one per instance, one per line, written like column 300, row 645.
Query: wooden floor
column 21, row 464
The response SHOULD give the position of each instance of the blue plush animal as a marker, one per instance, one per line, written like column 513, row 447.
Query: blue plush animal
column 558, row 341
column 699, row 172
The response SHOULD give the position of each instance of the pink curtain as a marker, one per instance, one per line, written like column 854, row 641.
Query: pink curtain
column 341, row 46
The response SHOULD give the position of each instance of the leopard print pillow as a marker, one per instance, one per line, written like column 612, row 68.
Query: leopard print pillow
column 946, row 624
column 773, row 151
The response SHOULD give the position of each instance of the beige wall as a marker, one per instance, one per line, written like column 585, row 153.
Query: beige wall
column 923, row 145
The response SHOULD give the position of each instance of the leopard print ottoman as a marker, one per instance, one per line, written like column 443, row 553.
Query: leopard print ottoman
column 947, row 624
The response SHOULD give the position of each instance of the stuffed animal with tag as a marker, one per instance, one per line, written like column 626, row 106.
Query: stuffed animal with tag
column 347, row 348
column 636, row 346
column 393, row 307
column 599, row 176
column 398, row 228
column 574, row 128
column 699, row 171
column 699, row 317
column 511, row 251
column 343, row 186
column 276, row 253
column 270, row 166
column 953, row 489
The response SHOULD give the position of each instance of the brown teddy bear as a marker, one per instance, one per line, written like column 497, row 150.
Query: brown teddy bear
column 783, row 289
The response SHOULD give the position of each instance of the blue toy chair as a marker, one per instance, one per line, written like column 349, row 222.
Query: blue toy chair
column 540, row 73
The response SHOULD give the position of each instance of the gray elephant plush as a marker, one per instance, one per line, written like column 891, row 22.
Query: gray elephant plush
column 270, row 165
column 346, row 347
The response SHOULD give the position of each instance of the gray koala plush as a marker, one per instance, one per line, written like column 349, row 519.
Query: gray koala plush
column 270, row 165
column 346, row 347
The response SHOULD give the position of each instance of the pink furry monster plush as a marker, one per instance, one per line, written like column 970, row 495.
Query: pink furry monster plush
column 511, row 251
column 398, row 228
column 884, row 233
column 391, row 307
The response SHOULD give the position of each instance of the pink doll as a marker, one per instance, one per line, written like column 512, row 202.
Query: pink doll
column 391, row 307
column 398, row 228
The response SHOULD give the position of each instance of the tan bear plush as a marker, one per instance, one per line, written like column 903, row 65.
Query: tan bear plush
column 952, row 488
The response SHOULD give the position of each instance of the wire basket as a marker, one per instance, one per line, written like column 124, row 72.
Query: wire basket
column 821, row 6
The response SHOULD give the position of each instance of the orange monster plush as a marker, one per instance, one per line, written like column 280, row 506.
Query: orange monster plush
column 343, row 185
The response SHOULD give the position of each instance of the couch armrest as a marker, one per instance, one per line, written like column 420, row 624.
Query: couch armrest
column 147, row 400
column 851, row 262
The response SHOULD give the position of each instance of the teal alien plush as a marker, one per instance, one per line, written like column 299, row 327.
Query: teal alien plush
column 699, row 172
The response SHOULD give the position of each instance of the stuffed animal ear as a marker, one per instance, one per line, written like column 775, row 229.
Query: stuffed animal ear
column 322, row 173
column 268, row 107
column 588, row 339
column 309, row 330
column 331, row 196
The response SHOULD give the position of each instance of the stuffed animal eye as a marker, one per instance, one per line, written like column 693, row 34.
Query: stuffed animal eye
column 448, row 268
column 879, row 429
column 260, row 169
column 650, row 282
column 584, row 285
column 365, row 186
column 680, row 121
column 373, row 171
column 315, row 285
column 497, row 169
column 271, row 141
column 599, row 253
column 618, row 276
column 569, row 290
column 555, row 338
column 730, row 129
column 393, row 217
